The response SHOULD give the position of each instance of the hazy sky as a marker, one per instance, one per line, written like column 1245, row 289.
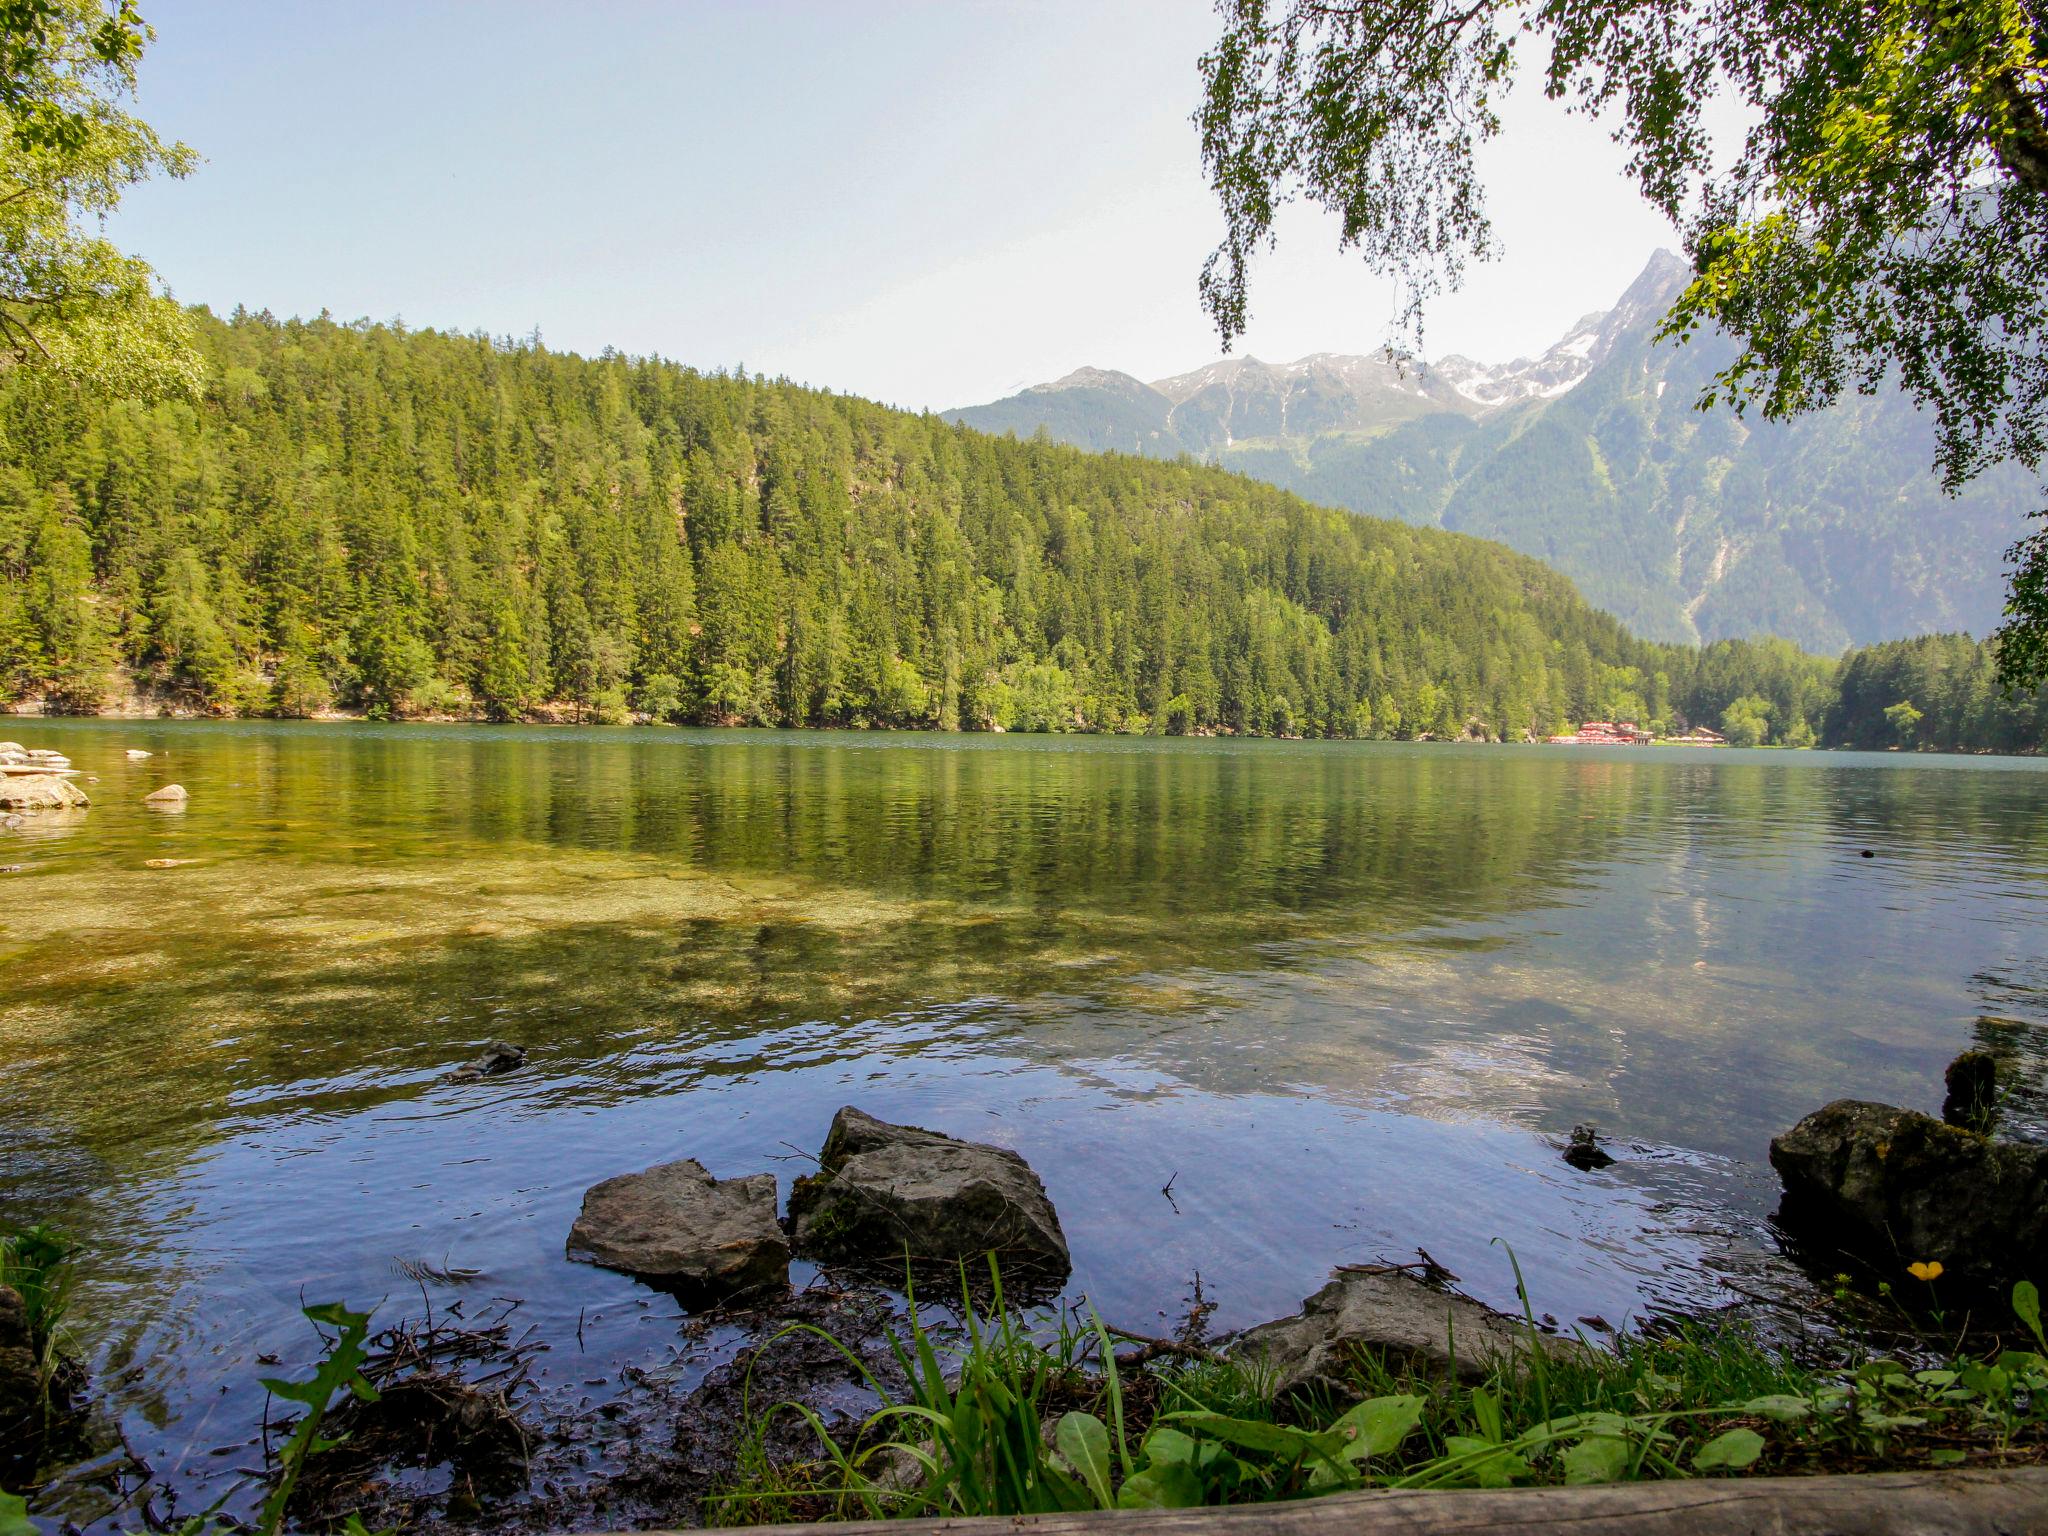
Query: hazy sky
column 933, row 204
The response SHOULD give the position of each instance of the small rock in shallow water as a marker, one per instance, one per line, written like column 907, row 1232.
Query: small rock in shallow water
column 170, row 794
column 676, row 1226
column 1584, row 1152
column 137, row 752
column 495, row 1059
column 1410, row 1326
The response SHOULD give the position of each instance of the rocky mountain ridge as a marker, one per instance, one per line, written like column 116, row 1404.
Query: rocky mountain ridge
column 1592, row 455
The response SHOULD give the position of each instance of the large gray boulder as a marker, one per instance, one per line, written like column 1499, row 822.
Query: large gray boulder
column 676, row 1226
column 1897, row 1187
column 40, row 792
column 886, row 1193
column 1408, row 1325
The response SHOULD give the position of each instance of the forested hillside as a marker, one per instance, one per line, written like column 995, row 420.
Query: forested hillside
column 419, row 522
column 414, row 523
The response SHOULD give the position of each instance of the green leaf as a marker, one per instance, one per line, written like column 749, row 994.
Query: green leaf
column 1785, row 1407
column 14, row 1520
column 1082, row 1439
column 1167, row 1447
column 1257, row 1435
column 1596, row 1459
column 1729, row 1451
column 1946, row 1456
column 2026, row 1304
column 1486, row 1409
column 1487, row 1463
column 1377, row 1426
column 1169, row 1485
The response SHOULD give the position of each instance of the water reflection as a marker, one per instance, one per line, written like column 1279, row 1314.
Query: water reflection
column 1345, row 996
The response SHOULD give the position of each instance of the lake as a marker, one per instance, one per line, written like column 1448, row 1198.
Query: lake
column 1251, row 1009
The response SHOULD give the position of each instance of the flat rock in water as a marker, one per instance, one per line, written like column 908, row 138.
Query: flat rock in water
column 884, row 1193
column 1410, row 1325
column 496, row 1059
column 1898, row 1187
column 170, row 794
column 677, row 1227
column 40, row 792
column 137, row 753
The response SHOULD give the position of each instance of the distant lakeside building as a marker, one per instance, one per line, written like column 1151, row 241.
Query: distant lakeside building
column 1606, row 733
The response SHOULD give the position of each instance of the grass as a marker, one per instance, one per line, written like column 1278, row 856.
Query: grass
column 36, row 1263
column 1015, row 1417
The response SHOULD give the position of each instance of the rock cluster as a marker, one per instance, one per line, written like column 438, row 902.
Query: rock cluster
column 883, row 1193
column 37, row 779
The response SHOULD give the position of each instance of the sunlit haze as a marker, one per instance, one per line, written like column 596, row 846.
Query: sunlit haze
column 929, row 204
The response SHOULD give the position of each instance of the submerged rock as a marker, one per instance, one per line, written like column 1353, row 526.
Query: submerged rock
column 1409, row 1325
column 40, row 792
column 1972, row 1084
column 676, row 1226
column 495, row 1059
column 884, row 1193
column 1584, row 1152
column 1898, row 1187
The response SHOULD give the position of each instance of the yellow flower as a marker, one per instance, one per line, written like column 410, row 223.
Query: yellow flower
column 1927, row 1271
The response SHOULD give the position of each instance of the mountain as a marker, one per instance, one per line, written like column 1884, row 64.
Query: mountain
column 1688, row 525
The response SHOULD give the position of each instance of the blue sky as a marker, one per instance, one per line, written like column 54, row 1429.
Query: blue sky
column 932, row 204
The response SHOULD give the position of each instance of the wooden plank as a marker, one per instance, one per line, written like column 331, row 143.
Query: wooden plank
column 2010, row 1502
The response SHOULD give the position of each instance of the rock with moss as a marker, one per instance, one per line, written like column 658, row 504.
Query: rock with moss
column 1896, row 1187
column 1399, row 1319
column 674, row 1225
column 884, row 1194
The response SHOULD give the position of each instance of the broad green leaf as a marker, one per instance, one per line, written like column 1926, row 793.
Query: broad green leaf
column 1786, row 1407
column 1487, row 1463
column 1085, row 1443
column 2026, row 1305
column 14, row 1520
column 1377, row 1426
column 1596, row 1459
column 1168, row 1485
column 1946, row 1456
column 1164, row 1447
column 1730, row 1451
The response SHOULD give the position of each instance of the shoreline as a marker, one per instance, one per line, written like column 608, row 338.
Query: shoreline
column 563, row 716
